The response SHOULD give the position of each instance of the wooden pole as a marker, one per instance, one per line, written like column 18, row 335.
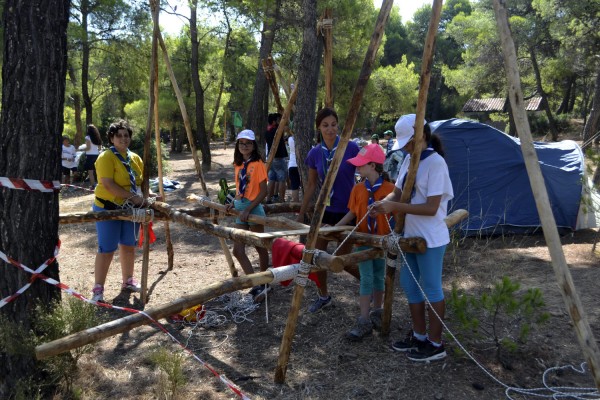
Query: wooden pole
column 285, row 118
column 365, row 73
column 224, row 129
column 161, row 189
column 270, row 75
column 284, row 84
column 585, row 335
column 428, row 53
column 327, row 30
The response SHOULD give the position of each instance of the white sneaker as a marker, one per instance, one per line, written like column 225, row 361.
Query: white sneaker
column 98, row 294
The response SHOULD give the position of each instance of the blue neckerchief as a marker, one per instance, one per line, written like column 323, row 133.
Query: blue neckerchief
column 327, row 155
column 127, row 164
column 243, row 178
column 424, row 154
column 372, row 222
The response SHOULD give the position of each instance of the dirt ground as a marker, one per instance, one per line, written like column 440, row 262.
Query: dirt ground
column 323, row 364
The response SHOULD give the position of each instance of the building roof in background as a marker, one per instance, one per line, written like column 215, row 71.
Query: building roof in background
column 497, row 104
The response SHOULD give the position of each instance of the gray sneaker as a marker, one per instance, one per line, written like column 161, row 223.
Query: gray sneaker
column 319, row 304
column 360, row 330
column 375, row 316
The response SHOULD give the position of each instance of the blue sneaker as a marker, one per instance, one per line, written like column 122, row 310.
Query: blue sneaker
column 319, row 304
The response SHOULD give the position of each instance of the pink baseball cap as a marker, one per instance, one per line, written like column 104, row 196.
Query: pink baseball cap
column 370, row 153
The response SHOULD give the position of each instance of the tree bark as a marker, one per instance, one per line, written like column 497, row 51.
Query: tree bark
column 85, row 62
column 76, row 107
column 257, row 115
column 201, row 136
column 568, row 87
column 308, row 78
column 33, row 90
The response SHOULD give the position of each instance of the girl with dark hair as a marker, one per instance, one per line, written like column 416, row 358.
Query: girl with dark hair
column 425, row 213
column 251, row 188
column 318, row 160
column 93, row 142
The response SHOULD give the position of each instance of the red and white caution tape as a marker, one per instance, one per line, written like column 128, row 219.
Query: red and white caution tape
column 37, row 275
column 77, row 187
column 30, row 184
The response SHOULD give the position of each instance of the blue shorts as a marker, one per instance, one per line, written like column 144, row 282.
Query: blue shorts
column 294, row 178
column 241, row 205
column 278, row 170
column 113, row 233
column 427, row 270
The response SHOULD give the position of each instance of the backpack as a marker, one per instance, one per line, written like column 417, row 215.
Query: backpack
column 225, row 195
column 392, row 163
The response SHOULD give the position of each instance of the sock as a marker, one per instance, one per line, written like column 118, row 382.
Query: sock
column 435, row 344
column 324, row 297
column 419, row 336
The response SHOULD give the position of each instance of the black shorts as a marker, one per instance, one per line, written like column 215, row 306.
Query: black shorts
column 294, row 176
column 67, row 171
column 332, row 218
column 90, row 160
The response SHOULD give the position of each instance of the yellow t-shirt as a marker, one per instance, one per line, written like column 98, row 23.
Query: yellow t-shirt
column 256, row 173
column 108, row 165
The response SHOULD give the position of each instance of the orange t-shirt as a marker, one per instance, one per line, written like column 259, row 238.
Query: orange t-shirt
column 255, row 174
column 359, row 202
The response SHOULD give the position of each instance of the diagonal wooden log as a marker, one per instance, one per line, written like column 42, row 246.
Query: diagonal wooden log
column 428, row 53
column 365, row 73
column 285, row 119
column 585, row 335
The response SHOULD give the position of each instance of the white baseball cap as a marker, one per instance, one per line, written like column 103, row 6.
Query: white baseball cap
column 405, row 130
column 246, row 134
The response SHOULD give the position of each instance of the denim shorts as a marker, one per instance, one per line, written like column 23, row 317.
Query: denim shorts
column 241, row 205
column 278, row 170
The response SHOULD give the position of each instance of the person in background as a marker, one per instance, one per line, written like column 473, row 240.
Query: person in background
column 119, row 179
column 93, row 142
column 318, row 160
column 68, row 163
column 425, row 213
column 251, row 188
column 278, row 171
column 387, row 135
column 375, row 140
column 293, row 172
column 375, row 186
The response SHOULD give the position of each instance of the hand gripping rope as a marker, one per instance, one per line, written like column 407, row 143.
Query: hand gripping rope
column 37, row 275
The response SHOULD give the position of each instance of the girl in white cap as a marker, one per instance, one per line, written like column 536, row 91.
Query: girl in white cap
column 375, row 186
column 425, row 213
column 251, row 189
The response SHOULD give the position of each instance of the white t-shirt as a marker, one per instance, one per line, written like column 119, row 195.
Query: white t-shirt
column 94, row 148
column 292, row 152
column 69, row 153
column 432, row 179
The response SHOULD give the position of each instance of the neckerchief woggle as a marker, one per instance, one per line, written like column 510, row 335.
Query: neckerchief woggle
column 372, row 222
column 243, row 178
column 127, row 164
column 327, row 157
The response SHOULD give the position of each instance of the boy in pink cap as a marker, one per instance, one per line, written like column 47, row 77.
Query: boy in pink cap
column 374, row 187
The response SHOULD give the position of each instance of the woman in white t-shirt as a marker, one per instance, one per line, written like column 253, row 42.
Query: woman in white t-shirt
column 293, row 173
column 93, row 142
column 425, row 213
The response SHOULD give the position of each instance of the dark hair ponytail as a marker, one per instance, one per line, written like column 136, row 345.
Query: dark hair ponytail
column 94, row 134
column 433, row 140
column 380, row 171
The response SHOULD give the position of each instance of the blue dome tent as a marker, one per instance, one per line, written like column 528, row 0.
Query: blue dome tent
column 490, row 180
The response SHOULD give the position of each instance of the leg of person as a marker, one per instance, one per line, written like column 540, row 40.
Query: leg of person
column 127, row 242
column 239, row 252
column 294, row 183
column 378, row 292
column 282, row 188
column 108, row 239
column 324, row 299
column 364, row 326
column 431, row 266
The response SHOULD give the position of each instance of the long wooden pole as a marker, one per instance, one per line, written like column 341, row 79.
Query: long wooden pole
column 161, row 188
column 365, row 73
column 285, row 118
column 428, row 52
column 585, row 335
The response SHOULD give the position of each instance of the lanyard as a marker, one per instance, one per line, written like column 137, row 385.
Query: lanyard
column 127, row 164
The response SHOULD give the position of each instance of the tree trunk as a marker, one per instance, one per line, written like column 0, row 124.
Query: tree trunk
column 76, row 107
column 591, row 125
column 201, row 136
column 33, row 91
column 568, row 86
column 308, row 78
column 542, row 92
column 85, row 62
column 222, row 83
column 257, row 115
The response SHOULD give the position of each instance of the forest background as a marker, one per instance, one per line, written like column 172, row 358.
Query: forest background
column 216, row 59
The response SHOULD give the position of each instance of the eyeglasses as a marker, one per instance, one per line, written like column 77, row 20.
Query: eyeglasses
column 122, row 135
column 245, row 144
